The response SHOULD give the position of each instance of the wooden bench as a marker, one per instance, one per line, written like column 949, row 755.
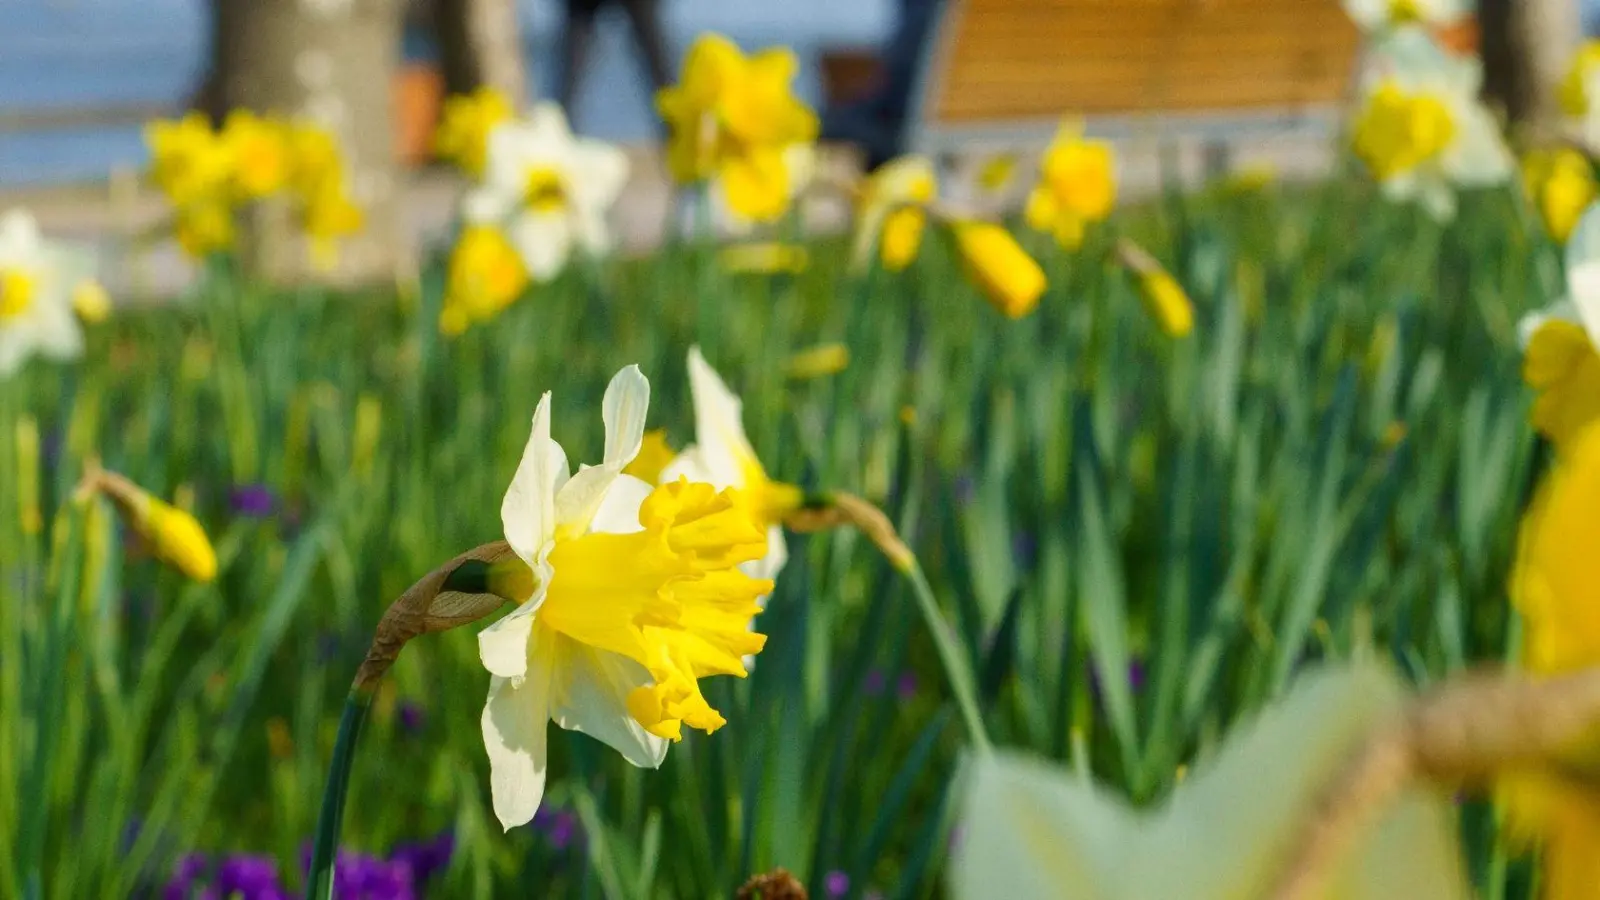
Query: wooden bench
column 1003, row 72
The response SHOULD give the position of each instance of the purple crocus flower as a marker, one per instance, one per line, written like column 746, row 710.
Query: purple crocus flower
column 874, row 683
column 564, row 830
column 184, row 875
column 250, row 876
column 357, row 876
column 836, row 883
column 412, row 717
column 254, row 501
column 426, row 858
column 905, row 687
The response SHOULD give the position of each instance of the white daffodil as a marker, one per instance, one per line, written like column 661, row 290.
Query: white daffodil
column 1422, row 131
column 551, row 191
column 892, row 213
column 36, row 290
column 1561, row 343
column 1031, row 832
column 722, row 456
column 629, row 596
column 1375, row 15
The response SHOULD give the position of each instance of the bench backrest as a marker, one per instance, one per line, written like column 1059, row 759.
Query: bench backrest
column 999, row 68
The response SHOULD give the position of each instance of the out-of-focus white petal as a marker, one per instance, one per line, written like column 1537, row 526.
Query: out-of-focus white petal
column 1438, row 199
column 57, row 333
column 618, row 512
column 719, row 429
column 626, row 402
column 772, row 563
column 14, row 346
column 515, row 722
column 1583, row 281
column 528, row 511
column 687, row 464
column 486, row 205
column 543, row 240
column 1479, row 156
column 19, row 238
column 591, row 696
column 1561, row 310
column 599, row 171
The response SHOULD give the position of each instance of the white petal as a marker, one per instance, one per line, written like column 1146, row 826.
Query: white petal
column 1402, row 188
column 19, row 237
column 580, row 498
column 503, row 646
column 687, row 464
column 618, row 512
column 599, row 171
column 515, row 721
column 626, row 401
column 528, row 511
column 772, row 563
column 1479, row 156
column 719, row 429
column 14, row 347
column 543, row 240
column 1584, row 283
column 57, row 333
column 591, row 696
column 1438, row 199
column 487, row 205
column 1561, row 310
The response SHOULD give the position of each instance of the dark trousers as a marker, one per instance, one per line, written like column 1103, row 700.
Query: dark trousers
column 644, row 19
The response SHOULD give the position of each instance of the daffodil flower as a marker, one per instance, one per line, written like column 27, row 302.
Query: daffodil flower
column 1559, row 343
column 1377, row 15
column 551, row 191
column 36, row 314
column 732, row 119
column 465, row 125
column 723, row 457
column 629, row 595
column 1010, row 279
column 1560, row 183
column 799, row 162
column 892, row 214
column 1077, row 186
column 189, row 162
column 1422, row 131
column 258, row 154
column 1555, row 589
column 485, row 276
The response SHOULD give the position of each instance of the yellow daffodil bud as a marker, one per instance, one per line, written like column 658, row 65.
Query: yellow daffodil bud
column 654, row 455
column 1168, row 303
column 998, row 265
column 27, row 438
column 1164, row 298
column 177, row 538
column 1561, row 185
column 91, row 302
column 767, row 258
column 819, row 361
column 902, row 236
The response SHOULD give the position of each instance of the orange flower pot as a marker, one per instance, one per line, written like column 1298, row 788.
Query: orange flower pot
column 418, row 95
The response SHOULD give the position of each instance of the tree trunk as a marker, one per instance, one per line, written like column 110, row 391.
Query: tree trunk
column 1527, row 46
column 332, row 62
column 480, row 43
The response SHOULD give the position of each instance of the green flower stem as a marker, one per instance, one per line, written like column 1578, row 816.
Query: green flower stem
column 319, row 881
column 950, row 655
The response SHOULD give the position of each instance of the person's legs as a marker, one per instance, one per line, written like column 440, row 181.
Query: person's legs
column 644, row 17
column 576, row 40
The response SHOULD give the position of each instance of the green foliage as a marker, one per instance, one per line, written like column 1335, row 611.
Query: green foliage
column 1086, row 496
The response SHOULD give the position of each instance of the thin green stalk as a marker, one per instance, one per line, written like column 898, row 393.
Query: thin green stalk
column 950, row 656
column 319, row 881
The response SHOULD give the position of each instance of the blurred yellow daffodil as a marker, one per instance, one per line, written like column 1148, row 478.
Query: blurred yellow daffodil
column 1578, row 93
column 485, row 276
column 819, row 361
column 91, row 302
column 1561, row 184
column 1008, row 277
column 631, row 594
column 1422, row 131
column 892, row 213
column 35, row 296
column 732, row 118
column 1555, row 587
column 1077, row 186
column 189, row 161
column 1560, row 360
column 464, row 126
column 258, row 154
column 765, row 258
column 1165, row 299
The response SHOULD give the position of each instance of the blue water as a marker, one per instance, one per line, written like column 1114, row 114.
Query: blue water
column 58, row 54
